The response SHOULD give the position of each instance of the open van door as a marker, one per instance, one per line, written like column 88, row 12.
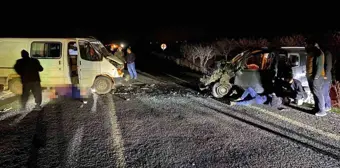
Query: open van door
column 251, row 74
column 88, row 62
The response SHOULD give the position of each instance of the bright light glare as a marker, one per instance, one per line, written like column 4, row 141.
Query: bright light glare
column 122, row 45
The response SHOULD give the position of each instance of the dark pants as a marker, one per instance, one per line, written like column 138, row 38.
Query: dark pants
column 316, row 88
column 35, row 87
column 325, row 90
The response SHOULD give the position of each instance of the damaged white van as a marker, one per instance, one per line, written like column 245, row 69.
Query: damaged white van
column 80, row 61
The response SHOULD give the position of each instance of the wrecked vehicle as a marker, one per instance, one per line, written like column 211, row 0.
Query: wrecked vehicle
column 257, row 68
column 66, row 61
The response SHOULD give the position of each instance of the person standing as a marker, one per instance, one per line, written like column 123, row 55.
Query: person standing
column 328, row 80
column 28, row 69
column 120, row 54
column 315, row 75
column 130, row 60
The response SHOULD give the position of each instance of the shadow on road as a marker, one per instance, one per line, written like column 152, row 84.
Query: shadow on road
column 301, row 109
column 335, row 156
column 49, row 129
column 23, row 133
column 39, row 139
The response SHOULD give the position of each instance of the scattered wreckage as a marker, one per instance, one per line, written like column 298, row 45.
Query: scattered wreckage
column 256, row 68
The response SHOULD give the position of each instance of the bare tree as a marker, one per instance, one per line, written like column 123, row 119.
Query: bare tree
column 209, row 54
column 260, row 43
column 247, row 43
column 204, row 53
column 334, row 46
column 244, row 43
column 225, row 46
column 295, row 40
column 189, row 52
column 334, row 43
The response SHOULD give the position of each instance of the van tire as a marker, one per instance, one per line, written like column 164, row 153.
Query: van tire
column 102, row 85
column 220, row 90
column 15, row 86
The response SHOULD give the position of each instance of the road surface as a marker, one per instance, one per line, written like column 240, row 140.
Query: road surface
column 159, row 122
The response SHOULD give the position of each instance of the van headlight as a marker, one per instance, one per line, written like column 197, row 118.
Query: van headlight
column 120, row 72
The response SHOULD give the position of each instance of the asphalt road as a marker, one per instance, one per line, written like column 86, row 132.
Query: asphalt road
column 160, row 122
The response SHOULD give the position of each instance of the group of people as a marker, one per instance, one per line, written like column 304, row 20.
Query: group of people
column 129, row 60
column 318, row 73
column 285, row 91
column 318, row 67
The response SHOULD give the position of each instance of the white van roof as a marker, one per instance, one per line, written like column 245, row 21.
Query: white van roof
column 40, row 39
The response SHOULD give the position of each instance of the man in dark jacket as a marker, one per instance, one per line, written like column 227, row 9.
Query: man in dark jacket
column 130, row 60
column 328, row 80
column 28, row 69
column 292, row 89
column 315, row 74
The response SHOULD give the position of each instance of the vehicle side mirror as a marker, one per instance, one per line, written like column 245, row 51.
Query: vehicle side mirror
column 294, row 60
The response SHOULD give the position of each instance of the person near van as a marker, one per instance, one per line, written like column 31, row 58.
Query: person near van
column 73, row 49
column 28, row 69
column 315, row 75
column 130, row 60
column 119, row 54
column 270, row 99
column 328, row 79
column 292, row 88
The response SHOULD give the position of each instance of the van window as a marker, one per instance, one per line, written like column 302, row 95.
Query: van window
column 87, row 52
column 303, row 59
column 46, row 50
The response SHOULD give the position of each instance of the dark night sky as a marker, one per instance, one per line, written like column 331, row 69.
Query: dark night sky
column 166, row 22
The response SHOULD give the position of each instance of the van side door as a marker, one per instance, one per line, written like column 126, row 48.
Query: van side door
column 251, row 74
column 50, row 56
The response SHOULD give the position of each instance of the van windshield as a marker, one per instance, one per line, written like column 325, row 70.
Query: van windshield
column 100, row 48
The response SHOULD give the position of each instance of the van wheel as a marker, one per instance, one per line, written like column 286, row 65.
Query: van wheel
column 15, row 86
column 219, row 90
column 102, row 85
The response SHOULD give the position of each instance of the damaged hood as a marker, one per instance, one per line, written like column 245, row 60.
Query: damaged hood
column 115, row 59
